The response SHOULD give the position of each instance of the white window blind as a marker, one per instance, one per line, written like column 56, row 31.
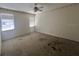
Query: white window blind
column 7, row 21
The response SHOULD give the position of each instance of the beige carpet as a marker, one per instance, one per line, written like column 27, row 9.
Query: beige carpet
column 37, row 44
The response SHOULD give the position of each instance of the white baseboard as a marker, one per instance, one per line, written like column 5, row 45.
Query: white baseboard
column 58, row 36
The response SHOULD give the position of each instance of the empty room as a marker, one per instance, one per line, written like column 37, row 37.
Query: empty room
column 39, row 29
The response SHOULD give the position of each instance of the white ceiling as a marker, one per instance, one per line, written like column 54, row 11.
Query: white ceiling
column 28, row 7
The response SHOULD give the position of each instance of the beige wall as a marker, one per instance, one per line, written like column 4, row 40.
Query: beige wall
column 62, row 22
column 21, row 24
column 0, row 41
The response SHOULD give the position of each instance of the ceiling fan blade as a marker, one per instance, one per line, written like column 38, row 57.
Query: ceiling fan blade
column 35, row 3
column 36, row 8
column 39, row 10
column 41, row 7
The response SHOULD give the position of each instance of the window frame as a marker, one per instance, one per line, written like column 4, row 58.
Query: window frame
column 6, row 14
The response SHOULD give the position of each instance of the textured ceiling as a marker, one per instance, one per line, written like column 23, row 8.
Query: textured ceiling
column 28, row 7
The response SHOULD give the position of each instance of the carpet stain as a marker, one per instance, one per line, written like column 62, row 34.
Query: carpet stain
column 38, row 44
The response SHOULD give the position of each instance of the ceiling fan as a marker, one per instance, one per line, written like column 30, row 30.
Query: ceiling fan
column 37, row 8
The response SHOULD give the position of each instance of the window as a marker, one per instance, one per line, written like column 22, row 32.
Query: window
column 7, row 22
column 32, row 21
